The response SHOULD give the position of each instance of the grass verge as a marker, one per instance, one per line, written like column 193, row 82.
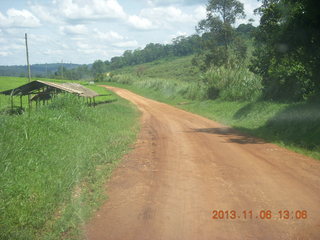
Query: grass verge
column 295, row 126
column 54, row 164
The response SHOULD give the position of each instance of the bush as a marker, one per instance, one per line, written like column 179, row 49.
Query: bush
column 287, row 79
column 123, row 79
column 219, row 82
column 232, row 84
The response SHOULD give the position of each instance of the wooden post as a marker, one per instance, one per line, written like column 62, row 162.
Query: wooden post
column 29, row 70
column 44, row 100
column 62, row 69
column 27, row 50
column 11, row 96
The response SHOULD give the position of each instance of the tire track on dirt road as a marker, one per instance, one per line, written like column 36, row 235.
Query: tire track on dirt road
column 184, row 166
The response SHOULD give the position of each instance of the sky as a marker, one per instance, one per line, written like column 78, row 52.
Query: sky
column 82, row 31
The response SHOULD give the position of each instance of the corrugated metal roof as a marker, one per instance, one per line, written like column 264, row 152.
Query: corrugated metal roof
column 73, row 88
column 85, row 92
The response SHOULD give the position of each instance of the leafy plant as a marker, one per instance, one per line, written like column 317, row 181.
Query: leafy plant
column 232, row 84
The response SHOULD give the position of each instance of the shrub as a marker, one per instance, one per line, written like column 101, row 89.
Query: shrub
column 232, row 84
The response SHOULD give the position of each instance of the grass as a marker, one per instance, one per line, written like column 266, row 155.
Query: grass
column 54, row 163
column 235, row 84
column 232, row 84
column 169, row 68
column 295, row 126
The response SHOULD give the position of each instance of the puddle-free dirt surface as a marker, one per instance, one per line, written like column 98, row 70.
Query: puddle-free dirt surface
column 183, row 167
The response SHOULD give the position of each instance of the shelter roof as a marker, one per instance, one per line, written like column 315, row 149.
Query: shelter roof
column 73, row 88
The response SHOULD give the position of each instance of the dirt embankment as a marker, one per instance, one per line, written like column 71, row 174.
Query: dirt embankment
column 184, row 167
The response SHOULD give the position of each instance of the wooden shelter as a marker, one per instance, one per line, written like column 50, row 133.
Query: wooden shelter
column 44, row 91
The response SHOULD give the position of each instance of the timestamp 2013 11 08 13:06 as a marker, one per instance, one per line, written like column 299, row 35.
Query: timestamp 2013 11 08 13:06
column 260, row 215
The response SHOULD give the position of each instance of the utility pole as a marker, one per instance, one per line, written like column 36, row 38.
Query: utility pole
column 62, row 68
column 29, row 71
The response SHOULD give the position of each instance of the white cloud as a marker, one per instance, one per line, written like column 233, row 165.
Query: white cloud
column 180, row 2
column 126, row 44
column 200, row 13
column 172, row 36
column 19, row 18
column 83, row 45
column 167, row 17
column 52, row 52
column 249, row 7
column 5, row 54
column 45, row 14
column 90, row 9
column 178, row 34
column 37, row 38
column 140, row 22
column 79, row 29
column 109, row 36
column 13, row 46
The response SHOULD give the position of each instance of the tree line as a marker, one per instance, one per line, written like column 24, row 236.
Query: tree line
column 180, row 46
column 283, row 51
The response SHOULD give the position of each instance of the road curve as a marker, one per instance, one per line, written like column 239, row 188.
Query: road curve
column 184, row 166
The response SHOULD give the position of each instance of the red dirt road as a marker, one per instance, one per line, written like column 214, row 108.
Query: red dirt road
column 185, row 166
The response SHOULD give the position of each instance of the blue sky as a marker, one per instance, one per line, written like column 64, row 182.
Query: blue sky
column 82, row 31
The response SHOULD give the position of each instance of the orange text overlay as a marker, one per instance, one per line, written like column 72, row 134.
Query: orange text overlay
column 261, row 215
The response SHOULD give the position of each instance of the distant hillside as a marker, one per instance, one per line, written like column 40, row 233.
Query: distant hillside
column 37, row 70
column 179, row 68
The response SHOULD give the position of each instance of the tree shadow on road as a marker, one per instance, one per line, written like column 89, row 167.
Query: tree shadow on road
column 297, row 125
column 234, row 135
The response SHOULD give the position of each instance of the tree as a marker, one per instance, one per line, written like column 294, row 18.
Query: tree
column 246, row 30
column 98, row 68
column 287, row 55
column 217, row 31
column 228, row 11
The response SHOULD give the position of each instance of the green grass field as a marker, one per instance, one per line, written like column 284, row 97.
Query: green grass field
column 172, row 68
column 55, row 161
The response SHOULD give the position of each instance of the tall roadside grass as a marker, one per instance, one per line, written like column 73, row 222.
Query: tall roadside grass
column 168, row 87
column 54, row 163
column 232, row 84
column 236, row 84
